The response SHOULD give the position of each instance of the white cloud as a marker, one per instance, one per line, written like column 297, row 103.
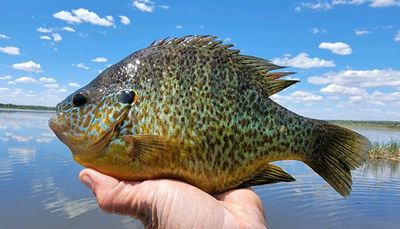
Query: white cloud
column 7, row 77
column 74, row 84
column 25, row 80
column 99, row 60
column 3, row 36
column 348, row 2
column 227, row 40
column 67, row 16
column 317, row 30
column 361, row 32
column 110, row 18
column 322, row 5
column 47, row 80
column 10, row 50
column 83, row 35
column 81, row 65
column 91, row 17
column 339, row 48
column 144, row 5
column 28, row 66
column 360, row 78
column 318, row 6
column 386, row 97
column 44, row 30
column 397, row 37
column 384, row 3
column 83, row 15
column 4, row 89
column 165, row 7
column 298, row 97
column 56, row 37
column 302, row 60
column 178, row 27
column 45, row 38
column 51, row 85
column 335, row 89
column 124, row 20
column 21, row 96
column 68, row 29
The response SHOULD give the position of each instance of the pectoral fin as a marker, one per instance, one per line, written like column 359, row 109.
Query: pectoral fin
column 269, row 175
column 151, row 148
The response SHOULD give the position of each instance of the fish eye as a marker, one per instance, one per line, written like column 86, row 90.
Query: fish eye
column 128, row 97
column 79, row 100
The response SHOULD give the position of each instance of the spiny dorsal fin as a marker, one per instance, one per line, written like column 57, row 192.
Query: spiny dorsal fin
column 277, row 75
column 255, row 65
column 271, row 87
column 199, row 41
column 258, row 65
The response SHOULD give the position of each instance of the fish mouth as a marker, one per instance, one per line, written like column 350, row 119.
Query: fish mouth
column 81, row 147
column 57, row 128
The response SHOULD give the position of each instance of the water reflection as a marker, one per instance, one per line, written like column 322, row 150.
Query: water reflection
column 58, row 202
column 381, row 169
column 24, row 154
column 312, row 203
column 36, row 169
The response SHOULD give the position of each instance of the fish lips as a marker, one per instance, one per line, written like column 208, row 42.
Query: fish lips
column 58, row 130
column 79, row 146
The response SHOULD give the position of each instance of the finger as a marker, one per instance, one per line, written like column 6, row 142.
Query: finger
column 244, row 195
column 114, row 196
column 98, row 182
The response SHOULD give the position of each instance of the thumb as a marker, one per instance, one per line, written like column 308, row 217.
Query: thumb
column 120, row 197
column 99, row 183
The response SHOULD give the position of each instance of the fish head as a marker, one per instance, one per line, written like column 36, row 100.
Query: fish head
column 86, row 120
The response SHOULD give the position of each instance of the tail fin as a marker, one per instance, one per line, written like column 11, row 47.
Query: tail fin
column 338, row 150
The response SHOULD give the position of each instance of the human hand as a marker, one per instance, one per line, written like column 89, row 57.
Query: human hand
column 167, row 203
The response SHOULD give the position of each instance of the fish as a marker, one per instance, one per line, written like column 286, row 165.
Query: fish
column 195, row 109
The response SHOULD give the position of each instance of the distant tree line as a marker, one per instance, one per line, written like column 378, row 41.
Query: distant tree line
column 25, row 107
column 386, row 124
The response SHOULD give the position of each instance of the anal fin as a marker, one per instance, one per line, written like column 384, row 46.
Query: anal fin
column 269, row 175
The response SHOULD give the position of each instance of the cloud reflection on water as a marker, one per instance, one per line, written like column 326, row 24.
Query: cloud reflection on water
column 22, row 154
column 58, row 202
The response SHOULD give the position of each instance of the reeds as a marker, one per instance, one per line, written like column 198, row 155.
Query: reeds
column 389, row 150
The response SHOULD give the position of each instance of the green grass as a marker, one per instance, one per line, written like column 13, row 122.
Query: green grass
column 389, row 150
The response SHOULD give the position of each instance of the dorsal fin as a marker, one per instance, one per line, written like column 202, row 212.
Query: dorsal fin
column 277, row 75
column 271, row 87
column 199, row 41
column 258, row 67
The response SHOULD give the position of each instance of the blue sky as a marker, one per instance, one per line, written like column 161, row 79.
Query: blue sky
column 345, row 52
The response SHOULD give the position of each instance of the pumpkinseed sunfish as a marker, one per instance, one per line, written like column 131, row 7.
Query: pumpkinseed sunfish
column 194, row 109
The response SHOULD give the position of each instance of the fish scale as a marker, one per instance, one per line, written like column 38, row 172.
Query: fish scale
column 201, row 113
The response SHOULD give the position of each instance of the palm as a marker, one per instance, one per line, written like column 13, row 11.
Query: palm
column 173, row 204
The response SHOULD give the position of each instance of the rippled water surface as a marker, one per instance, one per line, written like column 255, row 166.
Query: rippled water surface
column 39, row 187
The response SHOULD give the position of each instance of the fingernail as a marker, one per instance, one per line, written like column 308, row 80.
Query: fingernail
column 87, row 181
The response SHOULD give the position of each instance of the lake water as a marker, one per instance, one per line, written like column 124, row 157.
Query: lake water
column 40, row 188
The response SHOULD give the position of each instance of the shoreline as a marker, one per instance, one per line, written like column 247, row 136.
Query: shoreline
column 393, row 125
column 26, row 110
